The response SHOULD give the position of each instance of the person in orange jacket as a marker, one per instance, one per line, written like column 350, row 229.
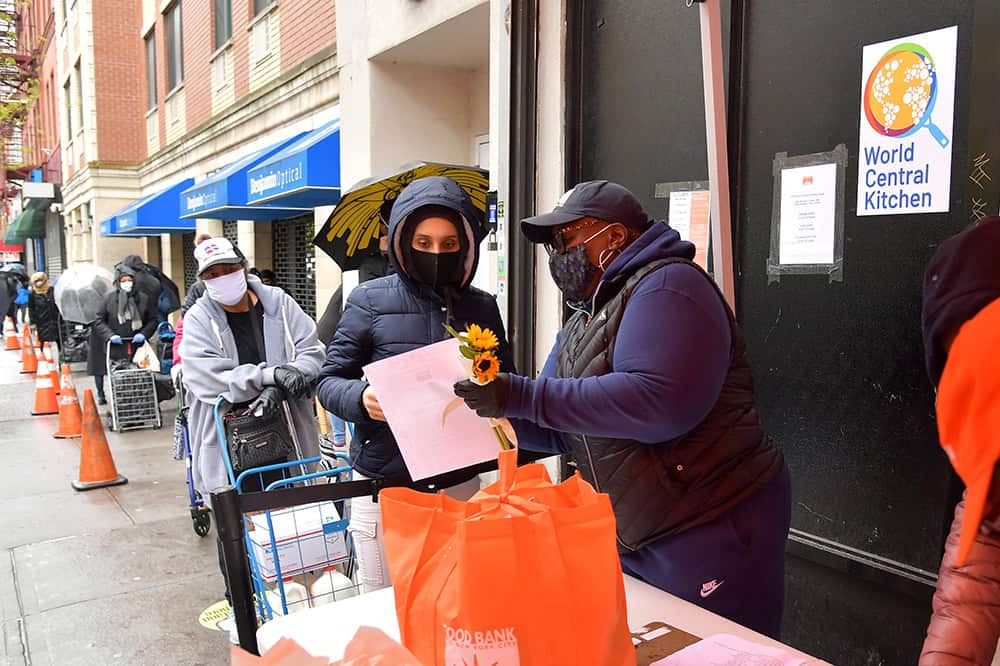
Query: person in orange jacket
column 961, row 327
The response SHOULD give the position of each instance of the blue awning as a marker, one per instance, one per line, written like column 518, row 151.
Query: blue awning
column 223, row 195
column 109, row 227
column 303, row 175
column 151, row 215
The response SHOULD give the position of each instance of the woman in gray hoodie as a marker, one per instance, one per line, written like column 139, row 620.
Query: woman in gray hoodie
column 246, row 342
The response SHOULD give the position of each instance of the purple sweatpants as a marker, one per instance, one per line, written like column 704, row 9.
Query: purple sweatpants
column 733, row 566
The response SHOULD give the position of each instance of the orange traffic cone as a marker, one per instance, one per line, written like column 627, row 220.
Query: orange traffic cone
column 53, row 367
column 97, row 467
column 11, row 343
column 29, row 361
column 69, row 408
column 45, row 392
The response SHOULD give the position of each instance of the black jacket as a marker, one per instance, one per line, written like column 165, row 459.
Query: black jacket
column 393, row 315
column 962, row 278
column 107, row 325
column 44, row 315
column 193, row 294
column 371, row 268
column 145, row 281
column 665, row 488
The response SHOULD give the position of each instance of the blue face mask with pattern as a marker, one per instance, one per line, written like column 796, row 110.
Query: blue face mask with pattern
column 572, row 271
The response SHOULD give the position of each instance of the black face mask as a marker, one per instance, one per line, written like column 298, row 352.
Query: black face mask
column 436, row 270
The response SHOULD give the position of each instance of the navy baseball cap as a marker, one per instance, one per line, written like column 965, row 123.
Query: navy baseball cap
column 593, row 198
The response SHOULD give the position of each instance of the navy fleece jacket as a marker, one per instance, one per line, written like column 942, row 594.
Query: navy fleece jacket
column 670, row 360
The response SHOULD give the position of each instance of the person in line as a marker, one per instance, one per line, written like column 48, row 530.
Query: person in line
column 43, row 311
column 372, row 266
column 145, row 282
column 193, row 294
column 248, row 343
column 126, row 320
column 198, row 288
column 433, row 249
column 648, row 387
column 961, row 329
column 16, row 282
column 268, row 277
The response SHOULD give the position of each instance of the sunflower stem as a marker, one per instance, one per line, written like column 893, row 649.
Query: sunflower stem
column 501, row 436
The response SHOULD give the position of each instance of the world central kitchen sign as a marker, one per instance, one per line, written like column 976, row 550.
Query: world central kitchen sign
column 907, row 116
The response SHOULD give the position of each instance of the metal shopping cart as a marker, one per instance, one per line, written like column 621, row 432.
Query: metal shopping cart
column 299, row 556
column 201, row 517
column 233, row 508
column 134, row 403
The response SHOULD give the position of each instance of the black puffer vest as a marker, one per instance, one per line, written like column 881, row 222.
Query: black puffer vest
column 662, row 489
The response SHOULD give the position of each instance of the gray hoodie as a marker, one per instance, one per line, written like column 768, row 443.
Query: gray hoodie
column 212, row 368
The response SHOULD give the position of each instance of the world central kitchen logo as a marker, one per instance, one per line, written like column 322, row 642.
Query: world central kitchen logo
column 275, row 180
column 899, row 99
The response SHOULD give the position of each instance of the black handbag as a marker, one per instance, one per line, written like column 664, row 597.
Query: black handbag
column 255, row 441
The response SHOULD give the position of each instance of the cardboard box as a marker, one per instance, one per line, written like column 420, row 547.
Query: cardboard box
column 307, row 537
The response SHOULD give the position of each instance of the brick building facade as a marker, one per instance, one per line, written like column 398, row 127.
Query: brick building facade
column 168, row 91
column 38, row 155
column 41, row 130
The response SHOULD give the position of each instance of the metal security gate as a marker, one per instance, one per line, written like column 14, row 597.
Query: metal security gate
column 231, row 231
column 54, row 245
column 190, row 265
column 295, row 259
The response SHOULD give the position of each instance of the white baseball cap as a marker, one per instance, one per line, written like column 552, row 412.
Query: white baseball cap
column 215, row 251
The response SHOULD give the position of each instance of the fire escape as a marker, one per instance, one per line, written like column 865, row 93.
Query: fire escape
column 20, row 47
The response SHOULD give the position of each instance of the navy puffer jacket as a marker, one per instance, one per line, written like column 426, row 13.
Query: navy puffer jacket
column 395, row 314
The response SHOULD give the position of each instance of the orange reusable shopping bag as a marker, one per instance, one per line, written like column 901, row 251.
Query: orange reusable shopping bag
column 526, row 573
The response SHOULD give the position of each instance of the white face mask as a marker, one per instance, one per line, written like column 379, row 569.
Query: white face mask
column 227, row 289
column 127, row 286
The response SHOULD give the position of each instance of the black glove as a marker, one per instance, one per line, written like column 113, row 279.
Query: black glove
column 267, row 403
column 292, row 380
column 489, row 401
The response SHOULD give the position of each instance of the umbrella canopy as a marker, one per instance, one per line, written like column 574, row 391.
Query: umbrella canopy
column 14, row 267
column 80, row 292
column 351, row 232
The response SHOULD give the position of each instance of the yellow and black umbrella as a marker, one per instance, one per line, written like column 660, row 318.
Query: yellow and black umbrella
column 351, row 232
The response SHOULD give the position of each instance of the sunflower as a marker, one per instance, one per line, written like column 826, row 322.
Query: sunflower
column 485, row 366
column 482, row 339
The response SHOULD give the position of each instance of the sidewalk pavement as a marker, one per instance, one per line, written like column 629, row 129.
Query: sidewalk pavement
column 109, row 576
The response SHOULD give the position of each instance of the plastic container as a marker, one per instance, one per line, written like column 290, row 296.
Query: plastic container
column 332, row 586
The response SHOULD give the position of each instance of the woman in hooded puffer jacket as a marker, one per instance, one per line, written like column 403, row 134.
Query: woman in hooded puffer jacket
column 433, row 245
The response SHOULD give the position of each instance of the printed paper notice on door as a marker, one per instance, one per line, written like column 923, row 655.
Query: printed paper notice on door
column 688, row 215
column 808, row 215
column 907, row 116
column 435, row 434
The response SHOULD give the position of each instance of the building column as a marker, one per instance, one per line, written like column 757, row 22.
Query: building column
column 263, row 245
column 254, row 239
column 172, row 257
column 211, row 227
column 328, row 275
column 549, row 177
column 151, row 253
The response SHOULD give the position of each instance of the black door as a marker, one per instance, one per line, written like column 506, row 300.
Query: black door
column 838, row 365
